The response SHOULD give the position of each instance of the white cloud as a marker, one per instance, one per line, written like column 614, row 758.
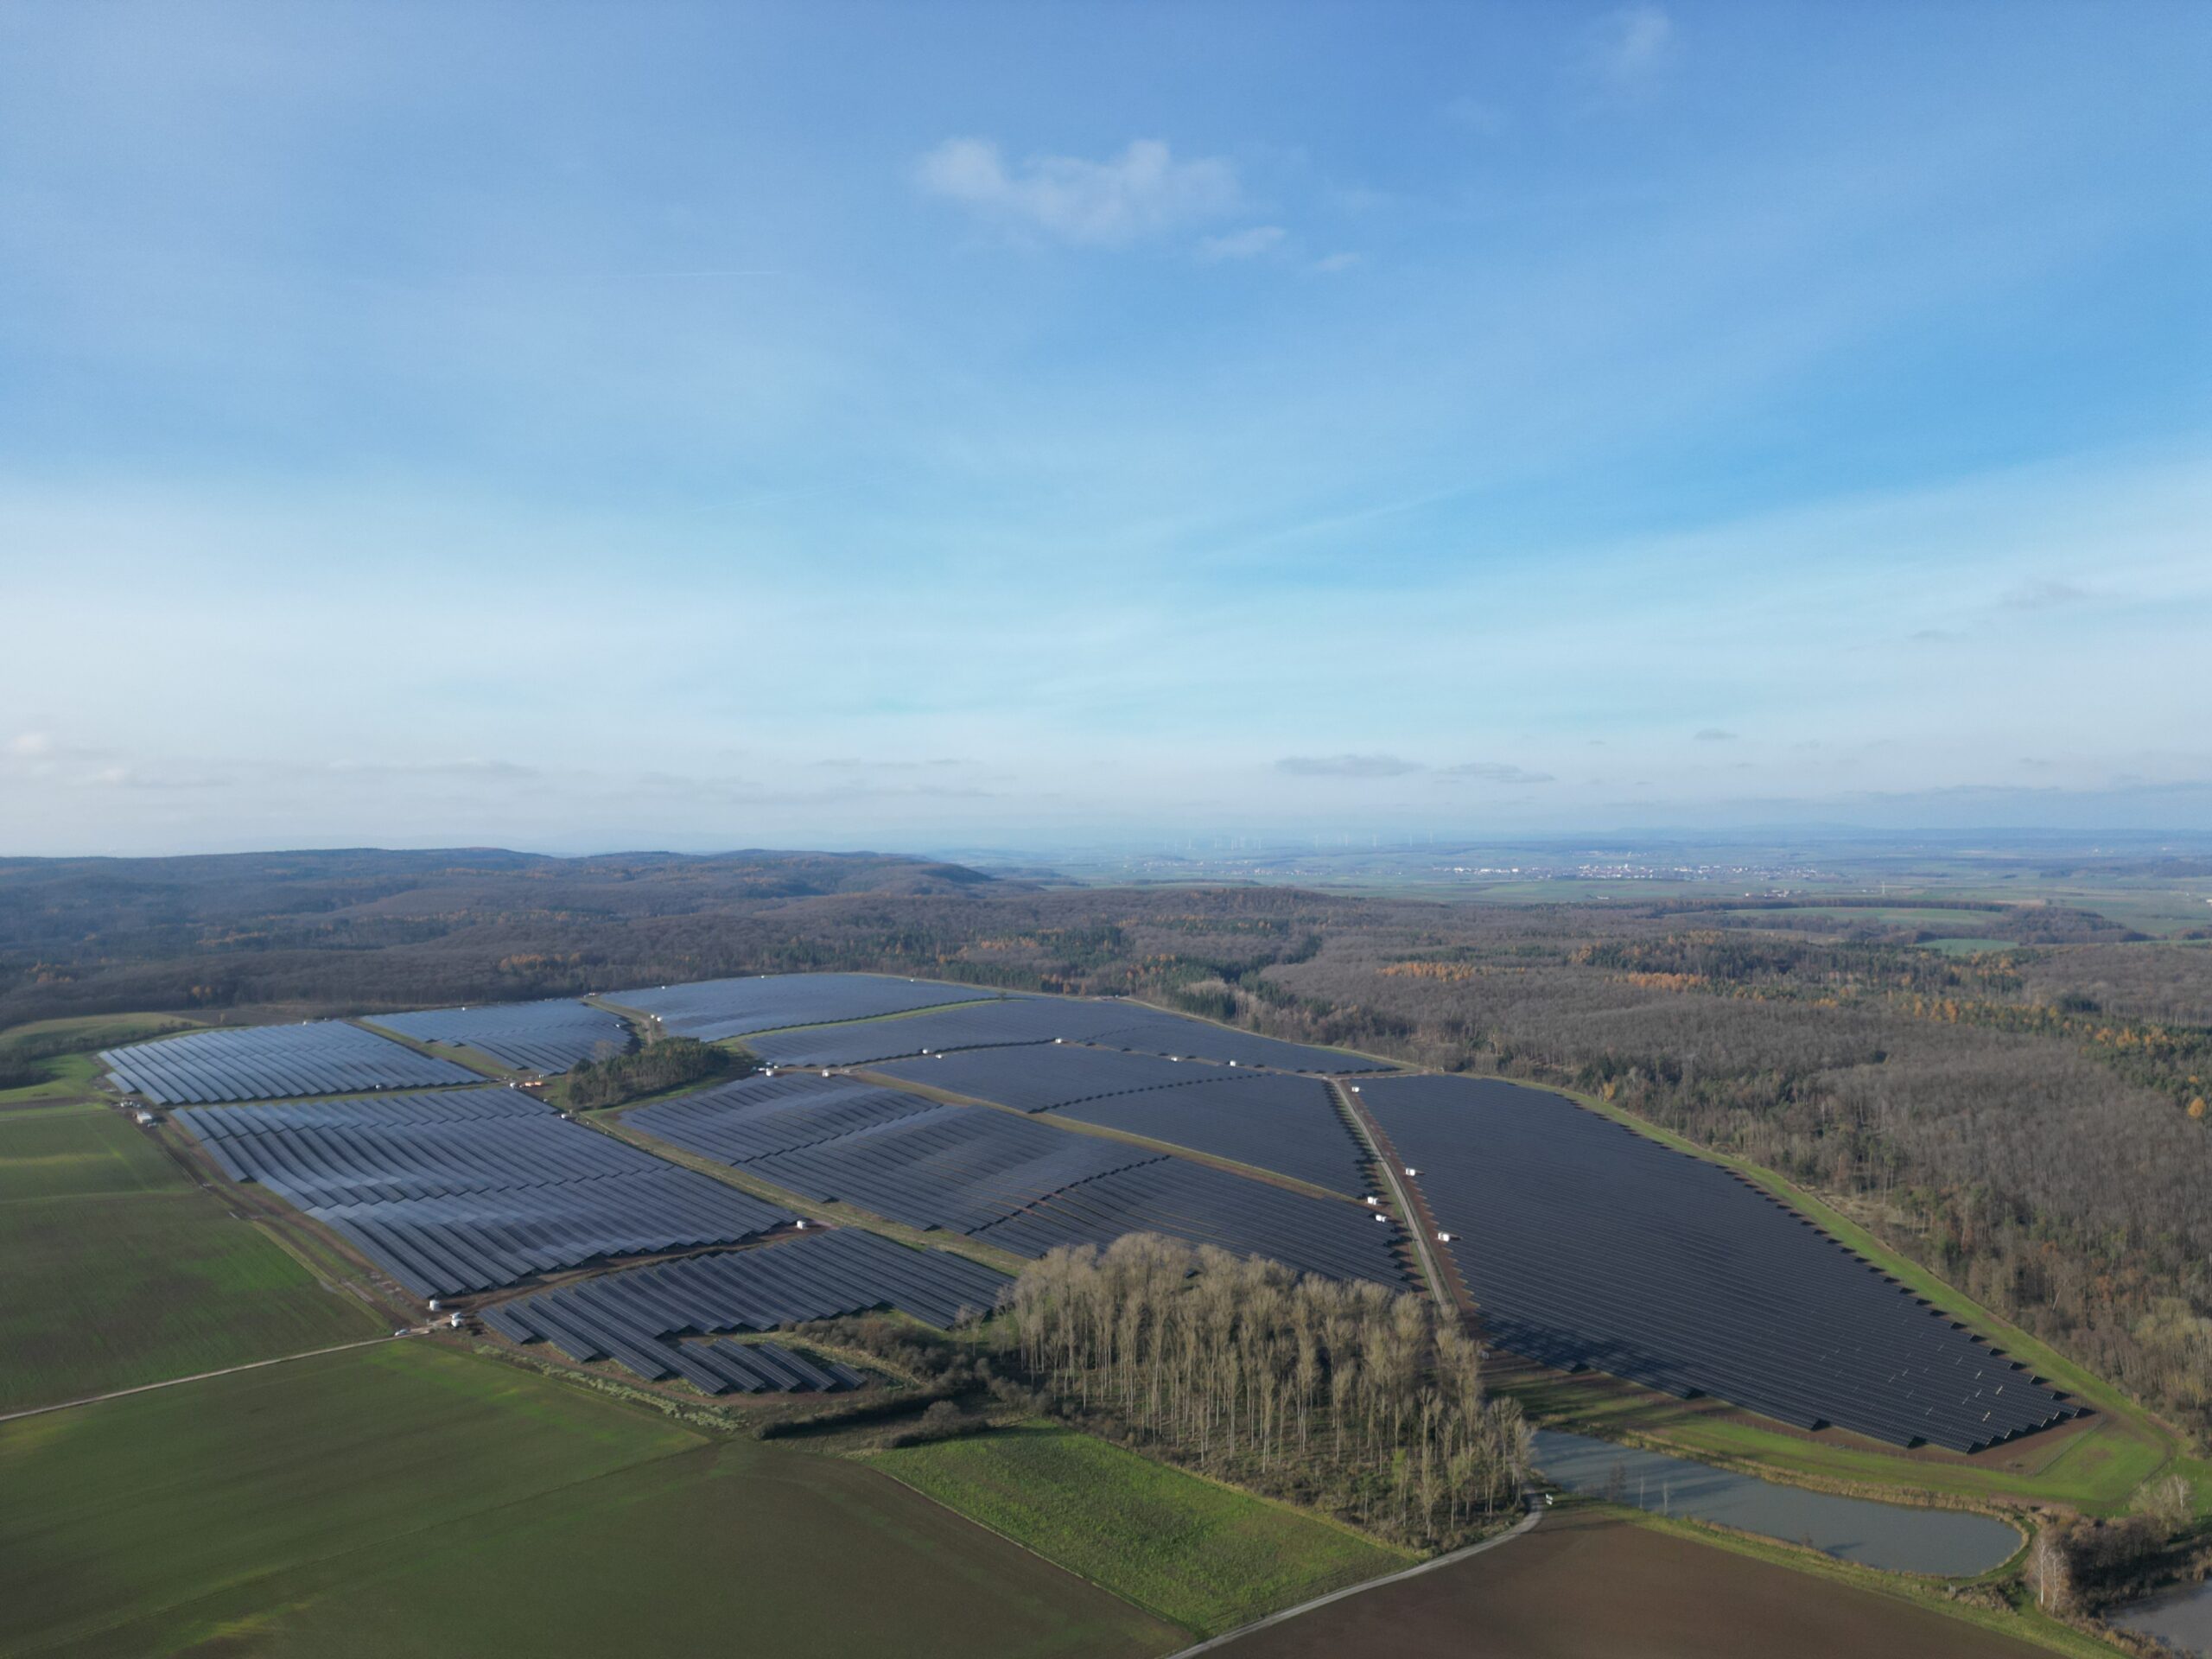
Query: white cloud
column 1140, row 193
column 1630, row 44
column 31, row 746
column 1346, row 766
column 1241, row 244
column 1476, row 114
column 1336, row 261
column 2046, row 596
column 1493, row 772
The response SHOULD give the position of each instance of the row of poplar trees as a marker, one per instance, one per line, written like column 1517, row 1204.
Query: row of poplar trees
column 1346, row 1396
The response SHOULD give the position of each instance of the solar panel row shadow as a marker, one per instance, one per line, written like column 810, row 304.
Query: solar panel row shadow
column 1015, row 1181
column 1019, row 1019
column 1587, row 1244
column 714, row 1008
column 485, row 1191
column 548, row 1037
column 641, row 1315
column 324, row 1057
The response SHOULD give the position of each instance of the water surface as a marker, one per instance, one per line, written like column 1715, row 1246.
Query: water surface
column 1949, row 1543
column 2181, row 1617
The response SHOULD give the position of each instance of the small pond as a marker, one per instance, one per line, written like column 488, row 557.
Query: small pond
column 2181, row 1617
column 1947, row 1543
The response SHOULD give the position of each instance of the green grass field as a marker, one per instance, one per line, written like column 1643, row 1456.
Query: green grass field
column 1206, row 1556
column 120, row 1271
column 79, row 1150
column 72, row 1075
column 406, row 1499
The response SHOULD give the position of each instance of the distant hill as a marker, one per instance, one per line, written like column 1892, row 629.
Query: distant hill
column 365, row 928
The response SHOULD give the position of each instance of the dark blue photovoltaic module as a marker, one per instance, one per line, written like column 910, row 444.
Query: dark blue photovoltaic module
column 715, row 1008
column 547, row 1037
column 323, row 1057
column 1014, row 1181
column 641, row 1315
column 473, row 1189
column 1106, row 1023
column 1586, row 1244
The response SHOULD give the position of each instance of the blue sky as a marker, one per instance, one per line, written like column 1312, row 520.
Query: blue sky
column 649, row 425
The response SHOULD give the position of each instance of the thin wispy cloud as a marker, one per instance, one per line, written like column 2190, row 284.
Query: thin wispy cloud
column 1242, row 244
column 1477, row 114
column 1422, row 479
column 1143, row 191
column 2047, row 595
column 1499, row 772
column 1628, row 46
column 1715, row 735
column 1346, row 766
column 1375, row 766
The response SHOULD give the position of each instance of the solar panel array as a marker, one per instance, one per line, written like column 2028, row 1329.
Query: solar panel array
column 1043, row 1019
column 1587, row 1244
column 710, row 1366
column 548, row 1037
column 1289, row 1125
column 325, row 1057
column 1181, row 1199
column 641, row 1317
column 1266, row 1119
column 473, row 1189
column 1008, row 1180
column 714, row 1008
column 737, row 1122
column 1037, row 1077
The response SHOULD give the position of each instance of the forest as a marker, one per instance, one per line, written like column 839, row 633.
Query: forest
column 671, row 1063
column 2027, row 1120
column 1343, row 1395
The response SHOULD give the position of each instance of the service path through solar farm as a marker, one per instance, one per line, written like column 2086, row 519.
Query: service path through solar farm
column 899, row 1146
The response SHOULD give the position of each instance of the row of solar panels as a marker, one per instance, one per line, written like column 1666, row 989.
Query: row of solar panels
column 547, row 1037
column 449, row 1197
column 325, row 1057
column 1587, row 1244
column 1270, row 1120
column 714, row 1008
column 1009, row 1181
column 643, row 1315
column 1044, row 1020
column 811, row 1018
column 710, row 1366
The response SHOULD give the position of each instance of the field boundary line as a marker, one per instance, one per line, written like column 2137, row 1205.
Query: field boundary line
column 1528, row 1524
column 197, row 1377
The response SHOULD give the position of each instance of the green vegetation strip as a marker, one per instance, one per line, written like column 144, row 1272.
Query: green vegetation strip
column 1207, row 1556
